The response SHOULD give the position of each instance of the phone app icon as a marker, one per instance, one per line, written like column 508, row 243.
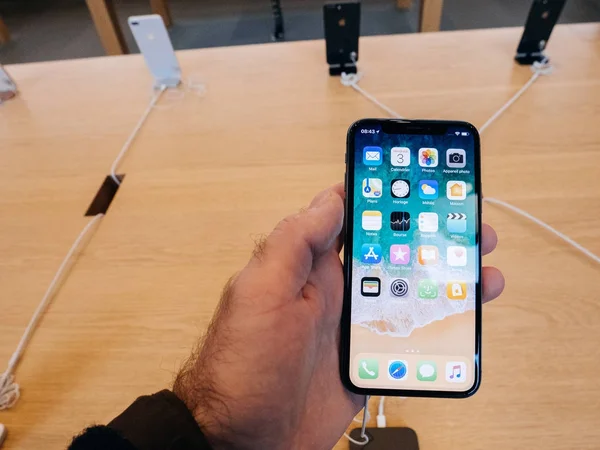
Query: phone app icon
column 399, row 254
column 456, row 372
column 428, row 255
column 372, row 188
column 428, row 222
column 428, row 189
column 456, row 223
column 399, row 287
column 397, row 370
column 456, row 256
column 372, row 156
column 371, row 253
column 428, row 157
column 426, row 371
column 400, row 156
column 428, row 289
column 368, row 369
column 370, row 287
column 456, row 290
column 456, row 190
column 400, row 188
column 371, row 220
column 400, row 221
column 456, row 158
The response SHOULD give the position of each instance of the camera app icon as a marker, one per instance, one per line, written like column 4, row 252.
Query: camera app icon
column 456, row 158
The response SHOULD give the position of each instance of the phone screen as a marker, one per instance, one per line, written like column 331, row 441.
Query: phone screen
column 412, row 261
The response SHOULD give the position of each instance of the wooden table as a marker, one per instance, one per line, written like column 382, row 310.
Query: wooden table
column 209, row 174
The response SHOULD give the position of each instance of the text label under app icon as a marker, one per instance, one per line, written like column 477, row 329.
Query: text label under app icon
column 370, row 287
column 456, row 290
column 428, row 222
column 371, row 253
column 428, row 289
column 400, row 156
column 399, row 287
column 397, row 370
column 372, row 156
column 456, row 190
column 428, row 157
column 372, row 188
column 368, row 369
column 371, row 220
column 456, row 158
column 456, row 223
column 456, row 372
column 400, row 188
column 428, row 189
column 426, row 371
column 399, row 254
column 456, row 256
column 400, row 221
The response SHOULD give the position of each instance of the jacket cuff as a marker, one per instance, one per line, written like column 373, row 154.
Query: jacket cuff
column 158, row 422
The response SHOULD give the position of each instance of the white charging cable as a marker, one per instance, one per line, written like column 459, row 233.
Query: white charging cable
column 134, row 133
column 538, row 68
column 365, row 419
column 9, row 390
column 352, row 79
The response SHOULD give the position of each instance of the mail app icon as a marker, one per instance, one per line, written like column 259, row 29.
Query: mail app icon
column 372, row 156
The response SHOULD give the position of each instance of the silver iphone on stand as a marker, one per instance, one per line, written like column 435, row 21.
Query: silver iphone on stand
column 153, row 41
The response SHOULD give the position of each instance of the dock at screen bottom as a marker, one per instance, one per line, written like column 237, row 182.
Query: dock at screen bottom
column 423, row 372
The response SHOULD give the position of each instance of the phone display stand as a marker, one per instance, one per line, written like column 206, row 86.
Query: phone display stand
column 391, row 438
column 528, row 59
column 338, row 69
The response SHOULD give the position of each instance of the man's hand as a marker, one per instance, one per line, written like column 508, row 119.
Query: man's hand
column 266, row 375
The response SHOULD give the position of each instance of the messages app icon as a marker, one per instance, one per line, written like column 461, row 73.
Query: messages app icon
column 372, row 156
column 426, row 371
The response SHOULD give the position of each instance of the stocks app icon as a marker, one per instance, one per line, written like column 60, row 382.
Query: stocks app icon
column 400, row 221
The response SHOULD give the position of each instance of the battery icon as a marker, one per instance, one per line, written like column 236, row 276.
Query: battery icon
column 464, row 133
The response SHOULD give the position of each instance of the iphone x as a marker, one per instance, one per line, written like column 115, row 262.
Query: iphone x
column 411, row 322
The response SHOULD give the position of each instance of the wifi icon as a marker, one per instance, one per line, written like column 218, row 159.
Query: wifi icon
column 457, row 133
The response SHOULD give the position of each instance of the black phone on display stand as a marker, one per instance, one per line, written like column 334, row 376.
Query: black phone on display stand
column 411, row 321
column 342, row 30
column 542, row 17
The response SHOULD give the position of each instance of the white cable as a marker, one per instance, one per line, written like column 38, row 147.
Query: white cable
column 381, row 420
column 544, row 225
column 365, row 419
column 352, row 79
column 9, row 390
column 134, row 133
column 538, row 68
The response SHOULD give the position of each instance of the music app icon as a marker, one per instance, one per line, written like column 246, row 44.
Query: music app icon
column 456, row 372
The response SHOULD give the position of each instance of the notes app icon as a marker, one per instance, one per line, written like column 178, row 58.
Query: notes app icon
column 456, row 372
column 371, row 220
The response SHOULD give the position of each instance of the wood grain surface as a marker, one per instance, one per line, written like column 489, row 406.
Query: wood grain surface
column 209, row 174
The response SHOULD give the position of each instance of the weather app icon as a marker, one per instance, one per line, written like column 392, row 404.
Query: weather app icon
column 428, row 189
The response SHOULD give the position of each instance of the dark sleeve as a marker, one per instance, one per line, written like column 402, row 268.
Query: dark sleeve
column 153, row 422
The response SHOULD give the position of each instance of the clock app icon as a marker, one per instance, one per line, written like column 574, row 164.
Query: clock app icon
column 400, row 188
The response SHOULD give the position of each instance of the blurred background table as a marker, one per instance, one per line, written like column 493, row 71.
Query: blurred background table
column 204, row 179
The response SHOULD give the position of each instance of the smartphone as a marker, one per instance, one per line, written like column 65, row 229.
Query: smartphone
column 153, row 41
column 342, row 30
column 542, row 17
column 8, row 88
column 411, row 321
